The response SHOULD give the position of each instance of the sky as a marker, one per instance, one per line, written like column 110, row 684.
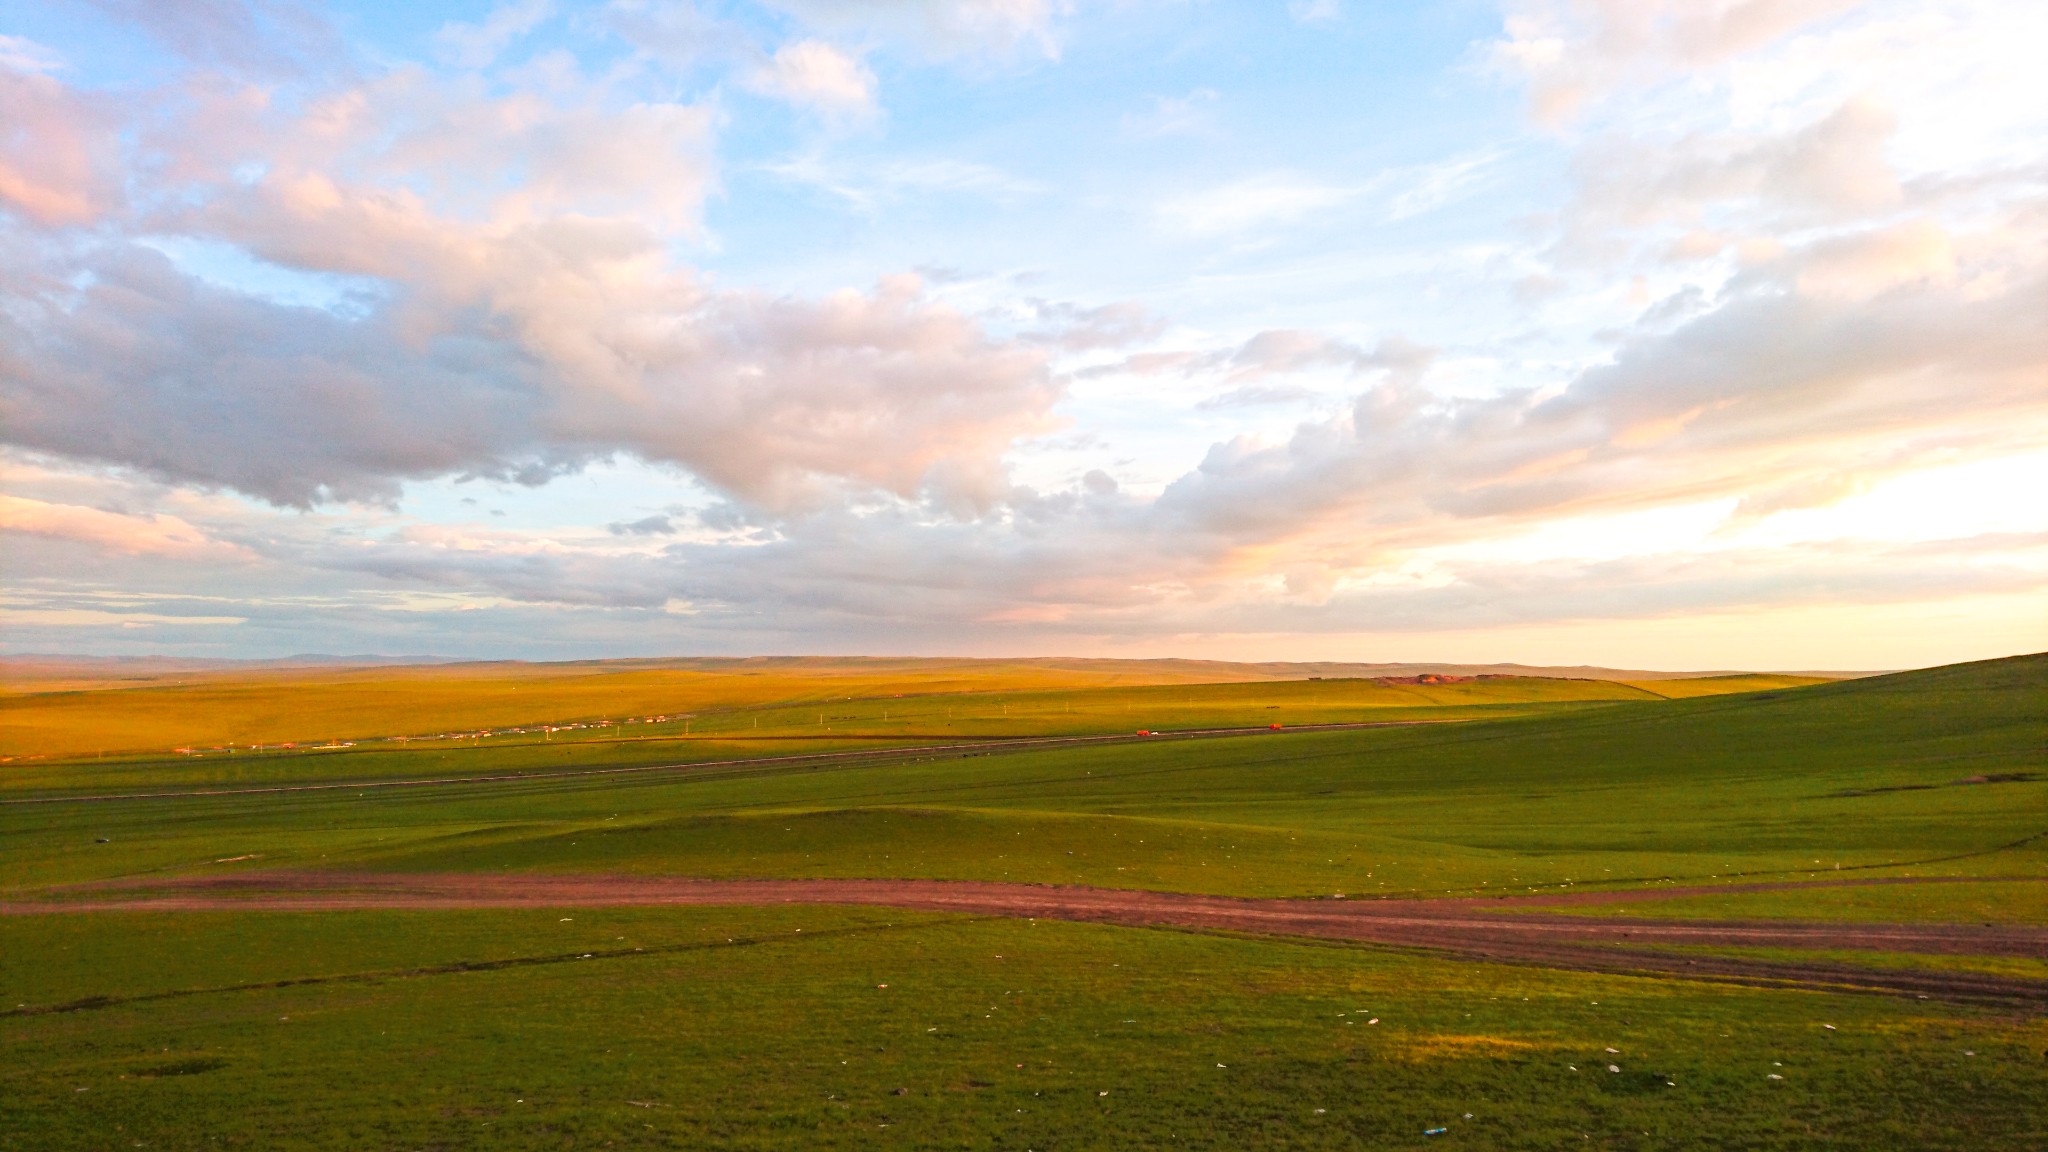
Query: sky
column 1651, row 333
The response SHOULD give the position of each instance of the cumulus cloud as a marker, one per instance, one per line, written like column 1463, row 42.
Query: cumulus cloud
column 531, row 322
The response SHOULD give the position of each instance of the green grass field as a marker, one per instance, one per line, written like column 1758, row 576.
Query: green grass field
column 487, row 1028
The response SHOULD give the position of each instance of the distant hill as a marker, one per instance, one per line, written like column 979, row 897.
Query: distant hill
column 36, row 671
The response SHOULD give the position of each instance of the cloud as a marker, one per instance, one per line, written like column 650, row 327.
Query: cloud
column 1188, row 115
column 1315, row 11
column 774, row 400
column 19, row 54
column 987, row 29
column 530, row 322
column 1281, row 352
column 869, row 186
column 814, row 75
column 152, row 535
column 1075, row 327
column 657, row 525
column 1574, row 51
column 1427, row 187
column 476, row 45
column 1258, row 395
column 269, row 38
column 58, row 150
column 1761, row 300
column 1831, row 169
column 1861, row 265
column 1272, row 199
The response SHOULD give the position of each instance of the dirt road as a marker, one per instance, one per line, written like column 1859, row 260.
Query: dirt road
column 1479, row 928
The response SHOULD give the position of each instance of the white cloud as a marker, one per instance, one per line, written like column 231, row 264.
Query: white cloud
column 814, row 75
column 20, row 54
column 1273, row 199
column 1574, row 51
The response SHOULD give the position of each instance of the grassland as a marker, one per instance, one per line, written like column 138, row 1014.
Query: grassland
column 734, row 1029
column 726, row 1027
column 615, row 703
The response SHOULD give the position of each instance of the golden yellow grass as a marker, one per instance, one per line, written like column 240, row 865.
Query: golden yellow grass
column 75, row 716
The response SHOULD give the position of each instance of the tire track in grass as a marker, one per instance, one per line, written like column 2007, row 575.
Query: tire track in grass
column 1472, row 928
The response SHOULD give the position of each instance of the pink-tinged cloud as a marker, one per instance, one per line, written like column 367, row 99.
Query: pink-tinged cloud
column 156, row 534
column 57, row 151
column 533, row 320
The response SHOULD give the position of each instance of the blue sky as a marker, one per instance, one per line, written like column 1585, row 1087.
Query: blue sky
column 1670, row 333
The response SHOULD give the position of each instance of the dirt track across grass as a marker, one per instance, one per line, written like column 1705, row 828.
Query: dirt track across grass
column 1478, row 928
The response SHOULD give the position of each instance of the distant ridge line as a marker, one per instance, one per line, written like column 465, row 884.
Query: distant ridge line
column 1229, row 670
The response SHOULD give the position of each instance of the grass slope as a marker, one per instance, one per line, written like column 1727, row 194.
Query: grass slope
column 1864, row 775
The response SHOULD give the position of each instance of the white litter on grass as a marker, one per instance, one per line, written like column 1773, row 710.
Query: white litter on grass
column 1374, row 1020
column 1829, row 1027
column 1614, row 1051
column 1614, row 1067
column 1102, row 1093
column 1773, row 1076
column 566, row 919
column 1319, row 1111
column 1223, row 1065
